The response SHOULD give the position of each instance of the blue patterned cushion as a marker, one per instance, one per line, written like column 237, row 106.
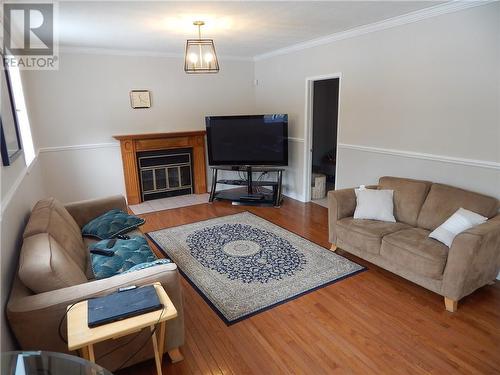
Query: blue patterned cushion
column 128, row 253
column 111, row 224
column 142, row 266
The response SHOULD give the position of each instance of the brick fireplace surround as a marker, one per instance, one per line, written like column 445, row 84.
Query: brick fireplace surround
column 131, row 144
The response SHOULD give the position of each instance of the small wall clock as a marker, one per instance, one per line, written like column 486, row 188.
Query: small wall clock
column 140, row 99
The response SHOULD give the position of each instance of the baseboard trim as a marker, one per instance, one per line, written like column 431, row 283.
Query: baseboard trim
column 423, row 156
column 293, row 195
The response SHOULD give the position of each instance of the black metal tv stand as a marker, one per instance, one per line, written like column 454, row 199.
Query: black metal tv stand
column 251, row 196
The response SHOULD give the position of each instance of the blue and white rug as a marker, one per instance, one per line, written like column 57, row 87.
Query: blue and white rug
column 243, row 264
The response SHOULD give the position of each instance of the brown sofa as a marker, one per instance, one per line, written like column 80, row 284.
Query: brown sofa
column 54, row 272
column 405, row 248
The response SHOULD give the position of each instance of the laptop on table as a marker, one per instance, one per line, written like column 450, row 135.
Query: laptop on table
column 122, row 305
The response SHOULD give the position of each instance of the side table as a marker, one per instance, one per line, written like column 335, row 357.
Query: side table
column 81, row 337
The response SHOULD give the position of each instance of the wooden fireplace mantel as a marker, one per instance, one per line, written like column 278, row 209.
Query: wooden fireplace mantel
column 131, row 144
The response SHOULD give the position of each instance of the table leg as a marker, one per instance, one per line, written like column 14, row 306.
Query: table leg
column 84, row 353
column 214, row 185
column 90, row 349
column 157, row 354
column 279, row 190
column 161, row 344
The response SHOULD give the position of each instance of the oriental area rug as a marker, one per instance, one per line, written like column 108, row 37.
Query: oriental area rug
column 243, row 264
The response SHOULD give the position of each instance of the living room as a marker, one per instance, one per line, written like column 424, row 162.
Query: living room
column 417, row 98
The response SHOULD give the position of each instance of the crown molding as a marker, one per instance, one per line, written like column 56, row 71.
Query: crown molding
column 434, row 11
column 125, row 52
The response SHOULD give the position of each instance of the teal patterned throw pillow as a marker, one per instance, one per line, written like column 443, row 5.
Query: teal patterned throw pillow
column 111, row 224
column 127, row 254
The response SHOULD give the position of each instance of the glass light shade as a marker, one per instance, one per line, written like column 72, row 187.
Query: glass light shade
column 200, row 56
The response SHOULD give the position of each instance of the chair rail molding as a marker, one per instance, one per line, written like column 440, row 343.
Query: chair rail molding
column 88, row 146
column 424, row 156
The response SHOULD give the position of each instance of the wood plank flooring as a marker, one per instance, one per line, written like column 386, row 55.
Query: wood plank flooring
column 371, row 323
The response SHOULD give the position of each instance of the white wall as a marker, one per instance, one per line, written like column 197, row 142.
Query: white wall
column 429, row 87
column 370, row 165
column 83, row 104
column 21, row 188
column 22, row 193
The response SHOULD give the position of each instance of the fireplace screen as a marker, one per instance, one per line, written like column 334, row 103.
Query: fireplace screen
column 165, row 173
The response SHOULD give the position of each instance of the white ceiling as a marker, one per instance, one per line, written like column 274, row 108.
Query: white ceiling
column 242, row 29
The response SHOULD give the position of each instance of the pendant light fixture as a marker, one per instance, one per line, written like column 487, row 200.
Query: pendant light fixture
column 200, row 54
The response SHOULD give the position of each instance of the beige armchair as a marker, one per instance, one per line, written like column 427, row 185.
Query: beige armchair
column 54, row 273
column 405, row 248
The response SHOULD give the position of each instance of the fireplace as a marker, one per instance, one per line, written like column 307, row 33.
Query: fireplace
column 165, row 173
column 161, row 165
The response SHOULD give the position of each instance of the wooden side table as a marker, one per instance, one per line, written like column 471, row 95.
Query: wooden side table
column 83, row 338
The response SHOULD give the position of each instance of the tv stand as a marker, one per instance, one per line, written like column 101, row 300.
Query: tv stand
column 250, row 196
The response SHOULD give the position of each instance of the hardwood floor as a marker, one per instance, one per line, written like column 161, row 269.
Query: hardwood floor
column 371, row 323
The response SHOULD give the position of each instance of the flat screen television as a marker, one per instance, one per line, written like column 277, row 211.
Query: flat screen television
column 247, row 140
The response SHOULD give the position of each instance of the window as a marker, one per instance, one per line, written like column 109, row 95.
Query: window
column 22, row 114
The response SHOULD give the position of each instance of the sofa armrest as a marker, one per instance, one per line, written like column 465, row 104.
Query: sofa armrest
column 84, row 211
column 341, row 204
column 35, row 318
column 473, row 260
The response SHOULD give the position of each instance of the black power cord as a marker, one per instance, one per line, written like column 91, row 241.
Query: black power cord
column 59, row 330
column 260, row 189
column 242, row 178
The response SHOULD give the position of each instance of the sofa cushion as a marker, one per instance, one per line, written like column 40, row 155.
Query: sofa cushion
column 127, row 254
column 366, row 235
column 111, row 224
column 443, row 201
column 50, row 216
column 412, row 249
column 409, row 196
column 44, row 265
column 89, row 241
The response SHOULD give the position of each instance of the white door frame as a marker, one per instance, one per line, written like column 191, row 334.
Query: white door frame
column 308, row 132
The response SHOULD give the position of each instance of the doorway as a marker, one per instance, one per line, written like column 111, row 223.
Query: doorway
column 323, row 111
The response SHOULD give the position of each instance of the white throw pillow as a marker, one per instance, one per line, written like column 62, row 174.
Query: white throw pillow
column 458, row 222
column 374, row 204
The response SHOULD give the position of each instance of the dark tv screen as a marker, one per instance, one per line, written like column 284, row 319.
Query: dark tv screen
column 247, row 140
